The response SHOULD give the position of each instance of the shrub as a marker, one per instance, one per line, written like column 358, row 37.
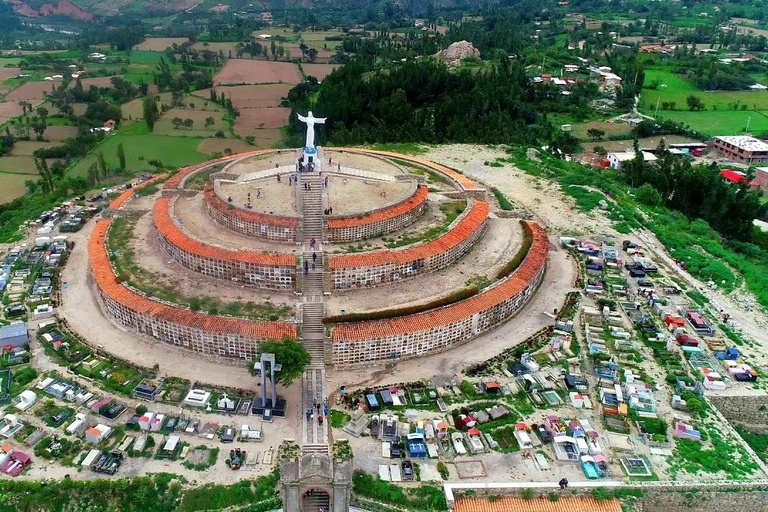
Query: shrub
column 520, row 255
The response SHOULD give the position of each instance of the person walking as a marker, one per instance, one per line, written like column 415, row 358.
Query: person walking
column 320, row 419
column 306, row 267
column 312, row 243
column 309, row 413
column 314, row 257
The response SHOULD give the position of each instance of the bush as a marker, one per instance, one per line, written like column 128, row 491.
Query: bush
column 520, row 255
column 504, row 203
column 648, row 195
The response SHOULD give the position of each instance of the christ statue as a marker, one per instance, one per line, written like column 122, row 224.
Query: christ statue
column 310, row 121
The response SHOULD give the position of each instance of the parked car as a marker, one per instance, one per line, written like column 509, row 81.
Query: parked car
column 407, row 470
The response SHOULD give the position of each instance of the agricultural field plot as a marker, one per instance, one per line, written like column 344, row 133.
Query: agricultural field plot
column 259, row 118
column 20, row 164
column 146, row 57
column 673, row 88
column 214, row 145
column 6, row 73
column 133, row 109
column 319, row 71
column 319, row 38
column 59, row 133
column 28, row 147
column 159, row 44
column 611, row 129
column 220, row 48
column 164, row 125
column 31, row 91
column 264, row 138
column 720, row 122
column 293, row 51
column 79, row 108
column 241, row 71
column 102, row 81
column 9, row 109
column 140, row 149
column 12, row 186
column 252, row 96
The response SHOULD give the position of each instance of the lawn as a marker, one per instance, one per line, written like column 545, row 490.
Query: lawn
column 719, row 122
column 140, row 149
column 146, row 57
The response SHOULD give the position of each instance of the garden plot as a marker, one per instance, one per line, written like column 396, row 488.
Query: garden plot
column 319, row 71
column 31, row 91
column 12, row 186
column 6, row 73
column 260, row 118
column 240, row 71
column 28, row 147
column 159, row 44
column 59, row 133
column 199, row 118
column 252, row 96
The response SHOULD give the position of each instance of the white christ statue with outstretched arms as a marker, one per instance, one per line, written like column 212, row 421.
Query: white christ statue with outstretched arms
column 310, row 121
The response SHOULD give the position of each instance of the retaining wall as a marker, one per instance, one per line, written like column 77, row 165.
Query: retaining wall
column 379, row 222
column 443, row 328
column 198, row 332
column 271, row 227
column 380, row 267
column 750, row 411
column 272, row 271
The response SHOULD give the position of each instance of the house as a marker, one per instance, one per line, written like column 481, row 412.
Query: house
column 97, row 434
column 25, row 400
column 14, row 336
column 565, row 448
column 475, row 438
column 10, row 425
column 742, row 148
column 109, row 125
column 197, row 398
column 147, row 390
column 615, row 160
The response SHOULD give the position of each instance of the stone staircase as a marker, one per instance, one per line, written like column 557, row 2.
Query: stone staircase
column 315, row 439
column 315, row 502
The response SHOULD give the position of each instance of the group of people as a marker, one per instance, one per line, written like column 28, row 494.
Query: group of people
column 328, row 211
column 316, row 409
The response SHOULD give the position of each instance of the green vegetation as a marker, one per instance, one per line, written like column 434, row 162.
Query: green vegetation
column 247, row 492
column 338, row 419
column 425, row 498
column 291, row 354
column 20, row 378
column 723, row 456
column 520, row 255
column 504, row 202
column 212, row 453
column 758, row 442
column 451, row 210
column 121, row 235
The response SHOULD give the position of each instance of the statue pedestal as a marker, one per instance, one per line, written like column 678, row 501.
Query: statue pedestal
column 312, row 157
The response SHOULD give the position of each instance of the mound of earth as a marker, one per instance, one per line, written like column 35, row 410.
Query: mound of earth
column 63, row 8
column 457, row 52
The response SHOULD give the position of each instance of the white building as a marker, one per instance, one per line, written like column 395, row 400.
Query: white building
column 198, row 398
column 25, row 400
column 78, row 425
column 97, row 434
column 616, row 159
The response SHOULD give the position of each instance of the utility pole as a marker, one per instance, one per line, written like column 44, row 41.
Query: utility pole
column 747, row 128
column 656, row 113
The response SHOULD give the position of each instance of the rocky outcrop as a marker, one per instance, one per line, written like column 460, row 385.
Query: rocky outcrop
column 63, row 8
column 458, row 52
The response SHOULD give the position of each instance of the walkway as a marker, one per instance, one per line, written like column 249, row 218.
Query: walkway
column 315, row 438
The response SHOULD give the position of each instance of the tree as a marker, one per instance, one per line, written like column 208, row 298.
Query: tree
column 280, row 51
column 250, row 139
column 188, row 123
column 149, row 106
column 600, row 151
column 177, row 122
column 648, row 195
column 103, row 165
column 209, row 121
column 121, row 155
column 694, row 103
column 595, row 133
column 291, row 354
column 312, row 54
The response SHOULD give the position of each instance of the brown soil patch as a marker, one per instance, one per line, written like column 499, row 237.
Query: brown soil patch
column 9, row 109
column 159, row 44
column 252, row 96
column 319, row 71
column 349, row 196
column 259, row 118
column 610, row 129
column 79, row 108
column 59, row 133
column 211, row 146
column 13, row 186
column 31, row 91
column 9, row 73
column 27, row 147
column 101, row 81
column 240, row 71
column 224, row 48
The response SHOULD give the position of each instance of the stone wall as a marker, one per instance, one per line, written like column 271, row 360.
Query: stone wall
column 750, row 411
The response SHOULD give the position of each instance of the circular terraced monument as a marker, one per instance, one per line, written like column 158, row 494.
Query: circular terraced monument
column 367, row 257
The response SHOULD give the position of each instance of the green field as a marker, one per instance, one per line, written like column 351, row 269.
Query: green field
column 140, row 149
column 12, row 186
column 146, row 57
column 719, row 118
column 719, row 122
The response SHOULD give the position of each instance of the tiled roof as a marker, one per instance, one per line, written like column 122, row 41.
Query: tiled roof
column 467, row 225
column 273, row 220
column 462, row 180
column 120, row 200
column 177, row 237
column 412, row 203
column 514, row 504
column 177, row 178
column 446, row 315
column 107, row 282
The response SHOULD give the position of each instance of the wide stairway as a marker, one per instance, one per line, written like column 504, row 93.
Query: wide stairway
column 314, row 502
column 312, row 330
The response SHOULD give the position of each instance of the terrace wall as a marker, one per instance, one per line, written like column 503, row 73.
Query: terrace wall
column 197, row 332
column 271, row 227
column 379, row 222
column 443, row 328
column 265, row 270
column 379, row 267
